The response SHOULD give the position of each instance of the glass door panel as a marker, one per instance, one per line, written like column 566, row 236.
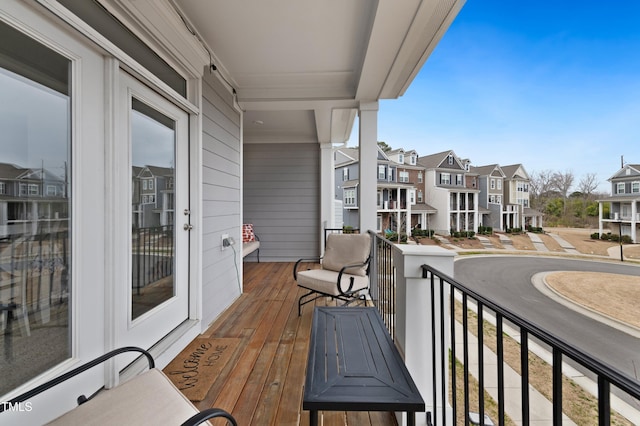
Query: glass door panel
column 154, row 142
column 35, row 251
column 153, row 139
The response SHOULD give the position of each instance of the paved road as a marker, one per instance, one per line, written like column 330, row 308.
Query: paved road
column 507, row 281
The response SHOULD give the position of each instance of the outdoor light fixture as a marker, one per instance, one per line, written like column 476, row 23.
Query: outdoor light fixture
column 228, row 242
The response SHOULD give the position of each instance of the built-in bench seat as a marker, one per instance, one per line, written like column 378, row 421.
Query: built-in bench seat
column 250, row 241
column 148, row 398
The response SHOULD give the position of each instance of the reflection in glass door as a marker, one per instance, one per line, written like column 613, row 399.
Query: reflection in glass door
column 35, row 252
column 153, row 139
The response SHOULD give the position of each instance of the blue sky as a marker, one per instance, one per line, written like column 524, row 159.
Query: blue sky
column 554, row 85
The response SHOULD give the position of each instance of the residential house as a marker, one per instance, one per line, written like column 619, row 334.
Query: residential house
column 400, row 190
column 241, row 101
column 490, row 181
column 450, row 193
column 31, row 200
column 623, row 202
column 517, row 210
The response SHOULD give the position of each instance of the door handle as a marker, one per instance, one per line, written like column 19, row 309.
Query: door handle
column 187, row 227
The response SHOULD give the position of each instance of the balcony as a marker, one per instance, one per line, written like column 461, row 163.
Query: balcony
column 263, row 382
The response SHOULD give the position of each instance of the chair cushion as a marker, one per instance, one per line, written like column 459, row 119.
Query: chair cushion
column 248, row 248
column 149, row 398
column 248, row 234
column 325, row 281
column 347, row 249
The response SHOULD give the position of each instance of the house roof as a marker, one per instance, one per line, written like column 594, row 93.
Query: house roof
column 301, row 69
column 435, row 161
column 515, row 171
column 621, row 173
column 487, row 170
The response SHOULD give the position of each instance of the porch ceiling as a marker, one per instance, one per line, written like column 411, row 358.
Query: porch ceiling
column 295, row 63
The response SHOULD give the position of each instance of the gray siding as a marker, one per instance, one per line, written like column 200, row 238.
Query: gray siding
column 282, row 199
column 220, row 197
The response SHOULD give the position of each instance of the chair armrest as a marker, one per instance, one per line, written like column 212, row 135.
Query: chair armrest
column 207, row 414
column 344, row 268
column 84, row 367
column 295, row 267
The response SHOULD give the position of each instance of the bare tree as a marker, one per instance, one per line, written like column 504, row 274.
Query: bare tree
column 588, row 184
column 540, row 186
column 562, row 183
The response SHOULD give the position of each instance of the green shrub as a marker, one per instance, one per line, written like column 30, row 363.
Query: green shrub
column 595, row 236
column 626, row 239
column 606, row 237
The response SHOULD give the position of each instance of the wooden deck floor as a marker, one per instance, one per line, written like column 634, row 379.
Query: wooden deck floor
column 263, row 383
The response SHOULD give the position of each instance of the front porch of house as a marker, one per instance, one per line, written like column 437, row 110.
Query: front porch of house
column 263, row 381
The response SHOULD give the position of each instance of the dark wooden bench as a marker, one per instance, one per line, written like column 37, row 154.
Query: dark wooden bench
column 353, row 365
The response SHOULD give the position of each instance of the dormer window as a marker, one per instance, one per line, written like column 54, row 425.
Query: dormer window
column 412, row 160
column 401, row 158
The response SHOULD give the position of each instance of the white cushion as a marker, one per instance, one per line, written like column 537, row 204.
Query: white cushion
column 347, row 249
column 325, row 281
column 148, row 399
column 250, row 247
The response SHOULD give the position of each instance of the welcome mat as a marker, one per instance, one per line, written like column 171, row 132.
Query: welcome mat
column 195, row 369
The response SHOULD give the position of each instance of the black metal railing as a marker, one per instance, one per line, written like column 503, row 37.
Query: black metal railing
column 383, row 280
column 153, row 255
column 452, row 306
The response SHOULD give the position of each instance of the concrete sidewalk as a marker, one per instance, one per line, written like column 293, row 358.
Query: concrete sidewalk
column 540, row 409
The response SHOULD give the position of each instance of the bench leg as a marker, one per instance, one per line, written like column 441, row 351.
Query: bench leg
column 313, row 418
column 411, row 418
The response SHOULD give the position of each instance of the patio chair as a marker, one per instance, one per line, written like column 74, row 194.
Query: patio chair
column 344, row 273
column 148, row 398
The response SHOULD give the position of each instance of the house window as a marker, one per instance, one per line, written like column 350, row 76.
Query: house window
column 404, row 176
column 445, row 178
column 144, row 184
column 459, row 180
column 382, row 172
column 499, row 199
column 420, row 177
column 401, row 158
column 412, row 197
column 492, row 199
column 499, row 183
column 493, row 184
column 412, row 160
column 380, row 200
column 451, row 159
column 150, row 183
column 51, row 190
column 419, row 196
column 635, row 187
column 35, row 83
column 474, row 182
column 345, row 174
column 620, row 188
column 349, row 197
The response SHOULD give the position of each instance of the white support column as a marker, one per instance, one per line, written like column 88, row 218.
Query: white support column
column 327, row 190
column 408, row 227
column 600, row 218
column 413, row 313
column 368, row 165
column 634, row 219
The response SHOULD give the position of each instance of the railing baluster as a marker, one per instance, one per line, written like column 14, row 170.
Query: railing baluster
column 443, row 387
column 434, row 345
column 604, row 402
column 557, row 387
column 480, row 363
column 524, row 374
column 452, row 318
column 465, row 354
column 500, row 356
